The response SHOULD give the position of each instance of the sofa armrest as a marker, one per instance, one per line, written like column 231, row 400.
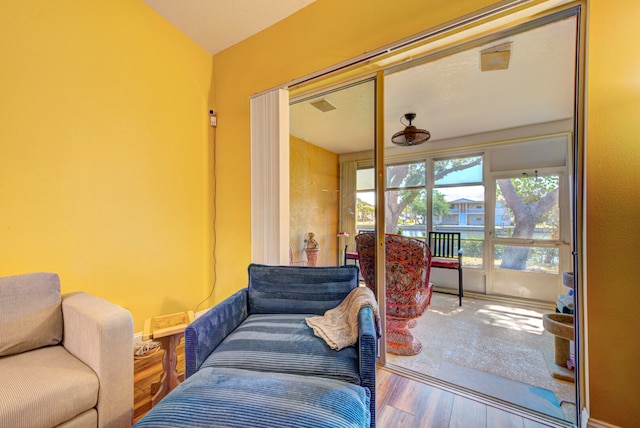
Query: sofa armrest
column 203, row 335
column 367, row 352
column 100, row 334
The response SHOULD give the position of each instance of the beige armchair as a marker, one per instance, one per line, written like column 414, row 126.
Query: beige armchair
column 64, row 360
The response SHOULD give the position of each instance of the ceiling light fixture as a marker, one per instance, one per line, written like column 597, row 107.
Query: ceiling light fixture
column 411, row 135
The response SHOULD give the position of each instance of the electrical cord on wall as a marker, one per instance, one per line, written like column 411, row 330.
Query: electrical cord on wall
column 215, row 238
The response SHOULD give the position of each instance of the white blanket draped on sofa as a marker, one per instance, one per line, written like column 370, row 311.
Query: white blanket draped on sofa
column 339, row 326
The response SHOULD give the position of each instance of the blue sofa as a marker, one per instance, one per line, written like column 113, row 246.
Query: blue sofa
column 253, row 361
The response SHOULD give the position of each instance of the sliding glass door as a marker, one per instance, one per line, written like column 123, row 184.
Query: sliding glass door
column 332, row 191
column 497, row 170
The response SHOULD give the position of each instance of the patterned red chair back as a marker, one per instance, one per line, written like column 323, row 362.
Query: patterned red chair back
column 408, row 268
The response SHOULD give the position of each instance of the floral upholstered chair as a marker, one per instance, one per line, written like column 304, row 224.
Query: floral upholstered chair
column 408, row 290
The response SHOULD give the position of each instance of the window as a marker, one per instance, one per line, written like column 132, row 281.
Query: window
column 541, row 220
column 527, row 213
column 457, row 201
column 365, row 199
column 406, row 199
column 526, row 258
column 457, row 204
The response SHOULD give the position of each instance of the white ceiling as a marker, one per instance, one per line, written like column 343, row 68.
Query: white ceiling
column 452, row 97
column 217, row 24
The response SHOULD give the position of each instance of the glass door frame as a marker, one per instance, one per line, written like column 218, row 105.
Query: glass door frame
column 381, row 186
column 379, row 180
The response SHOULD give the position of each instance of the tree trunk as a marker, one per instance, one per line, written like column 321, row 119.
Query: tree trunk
column 393, row 211
column 527, row 216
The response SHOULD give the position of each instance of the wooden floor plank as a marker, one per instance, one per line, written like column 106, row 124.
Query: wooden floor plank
column 467, row 413
column 497, row 418
column 389, row 416
column 436, row 411
column 395, row 388
column 410, row 396
column 383, row 386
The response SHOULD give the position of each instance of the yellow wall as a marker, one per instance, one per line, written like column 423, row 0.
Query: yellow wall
column 314, row 199
column 322, row 34
column 613, row 175
column 104, row 152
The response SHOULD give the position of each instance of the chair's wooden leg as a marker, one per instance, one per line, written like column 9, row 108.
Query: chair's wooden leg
column 460, row 286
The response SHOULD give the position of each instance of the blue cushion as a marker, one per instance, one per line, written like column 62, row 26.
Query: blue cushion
column 285, row 344
column 241, row 398
column 299, row 289
column 207, row 331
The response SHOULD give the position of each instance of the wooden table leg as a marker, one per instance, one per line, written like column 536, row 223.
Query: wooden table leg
column 170, row 378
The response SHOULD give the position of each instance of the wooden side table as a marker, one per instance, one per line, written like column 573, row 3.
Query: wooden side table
column 167, row 330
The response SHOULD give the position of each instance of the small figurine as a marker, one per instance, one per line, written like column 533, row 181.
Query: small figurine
column 311, row 242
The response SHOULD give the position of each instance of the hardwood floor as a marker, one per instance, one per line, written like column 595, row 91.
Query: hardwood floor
column 401, row 402
column 407, row 403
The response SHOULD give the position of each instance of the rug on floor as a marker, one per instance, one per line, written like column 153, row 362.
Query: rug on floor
column 532, row 397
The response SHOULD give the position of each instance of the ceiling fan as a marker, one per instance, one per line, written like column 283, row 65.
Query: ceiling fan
column 411, row 135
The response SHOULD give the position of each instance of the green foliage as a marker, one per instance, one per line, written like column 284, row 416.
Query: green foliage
column 366, row 210
column 406, row 175
column 532, row 189
column 419, row 204
column 440, row 206
column 472, row 247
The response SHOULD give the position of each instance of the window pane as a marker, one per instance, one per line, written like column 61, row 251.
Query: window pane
column 365, row 211
column 406, row 175
column 527, row 208
column 458, row 171
column 457, row 207
column 461, row 209
column 473, row 246
column 529, row 259
column 365, row 179
column 406, row 212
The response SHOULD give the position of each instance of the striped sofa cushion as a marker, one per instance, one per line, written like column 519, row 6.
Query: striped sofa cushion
column 219, row 397
column 284, row 343
column 299, row 289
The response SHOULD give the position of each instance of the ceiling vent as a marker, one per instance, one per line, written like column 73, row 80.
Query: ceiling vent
column 496, row 57
column 323, row 105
